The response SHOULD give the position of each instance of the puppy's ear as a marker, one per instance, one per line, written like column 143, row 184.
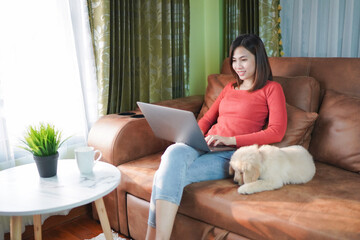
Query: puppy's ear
column 255, row 173
column 231, row 170
column 252, row 174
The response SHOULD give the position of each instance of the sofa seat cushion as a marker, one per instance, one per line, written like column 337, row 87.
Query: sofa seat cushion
column 137, row 176
column 328, row 207
column 325, row 208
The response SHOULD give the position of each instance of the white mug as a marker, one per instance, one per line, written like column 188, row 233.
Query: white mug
column 85, row 158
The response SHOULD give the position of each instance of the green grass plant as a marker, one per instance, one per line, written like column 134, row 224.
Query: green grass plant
column 42, row 140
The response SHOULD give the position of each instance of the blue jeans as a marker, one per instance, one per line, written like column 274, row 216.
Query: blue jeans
column 182, row 165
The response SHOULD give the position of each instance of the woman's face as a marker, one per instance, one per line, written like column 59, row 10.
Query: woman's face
column 243, row 62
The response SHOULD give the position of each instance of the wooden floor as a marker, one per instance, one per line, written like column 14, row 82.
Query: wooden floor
column 81, row 226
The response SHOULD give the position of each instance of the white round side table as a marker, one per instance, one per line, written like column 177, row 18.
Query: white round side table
column 24, row 192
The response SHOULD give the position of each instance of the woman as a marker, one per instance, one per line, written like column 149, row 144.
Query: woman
column 237, row 118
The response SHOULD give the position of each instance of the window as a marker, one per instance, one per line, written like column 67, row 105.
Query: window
column 40, row 78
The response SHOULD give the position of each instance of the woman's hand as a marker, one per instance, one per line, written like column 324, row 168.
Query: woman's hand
column 216, row 140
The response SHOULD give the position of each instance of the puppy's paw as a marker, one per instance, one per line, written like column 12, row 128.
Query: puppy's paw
column 245, row 189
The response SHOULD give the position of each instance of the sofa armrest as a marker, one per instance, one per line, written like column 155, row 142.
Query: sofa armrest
column 123, row 138
column 192, row 103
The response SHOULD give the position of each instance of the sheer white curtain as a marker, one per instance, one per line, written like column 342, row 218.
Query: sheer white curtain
column 47, row 73
column 320, row 28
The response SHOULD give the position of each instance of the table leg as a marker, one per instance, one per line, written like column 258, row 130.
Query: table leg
column 37, row 227
column 15, row 228
column 100, row 207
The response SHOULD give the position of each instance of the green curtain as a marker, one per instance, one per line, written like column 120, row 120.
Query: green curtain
column 270, row 31
column 240, row 16
column 99, row 16
column 260, row 17
column 149, row 52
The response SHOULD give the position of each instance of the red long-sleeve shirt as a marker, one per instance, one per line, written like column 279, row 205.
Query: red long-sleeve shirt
column 244, row 114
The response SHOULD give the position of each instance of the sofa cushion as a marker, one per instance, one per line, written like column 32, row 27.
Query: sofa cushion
column 302, row 92
column 299, row 127
column 327, row 207
column 336, row 136
column 216, row 83
column 137, row 176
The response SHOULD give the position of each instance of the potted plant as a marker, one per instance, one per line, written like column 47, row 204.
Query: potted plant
column 43, row 142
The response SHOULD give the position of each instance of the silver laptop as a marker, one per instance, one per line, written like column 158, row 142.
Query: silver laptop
column 177, row 125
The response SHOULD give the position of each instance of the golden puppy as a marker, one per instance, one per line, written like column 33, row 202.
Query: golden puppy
column 269, row 167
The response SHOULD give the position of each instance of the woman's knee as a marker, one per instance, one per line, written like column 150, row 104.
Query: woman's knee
column 178, row 149
column 171, row 159
column 174, row 162
column 178, row 154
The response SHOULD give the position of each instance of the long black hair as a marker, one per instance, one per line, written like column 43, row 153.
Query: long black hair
column 255, row 45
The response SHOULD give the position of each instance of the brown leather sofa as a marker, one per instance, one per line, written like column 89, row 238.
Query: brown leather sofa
column 323, row 96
